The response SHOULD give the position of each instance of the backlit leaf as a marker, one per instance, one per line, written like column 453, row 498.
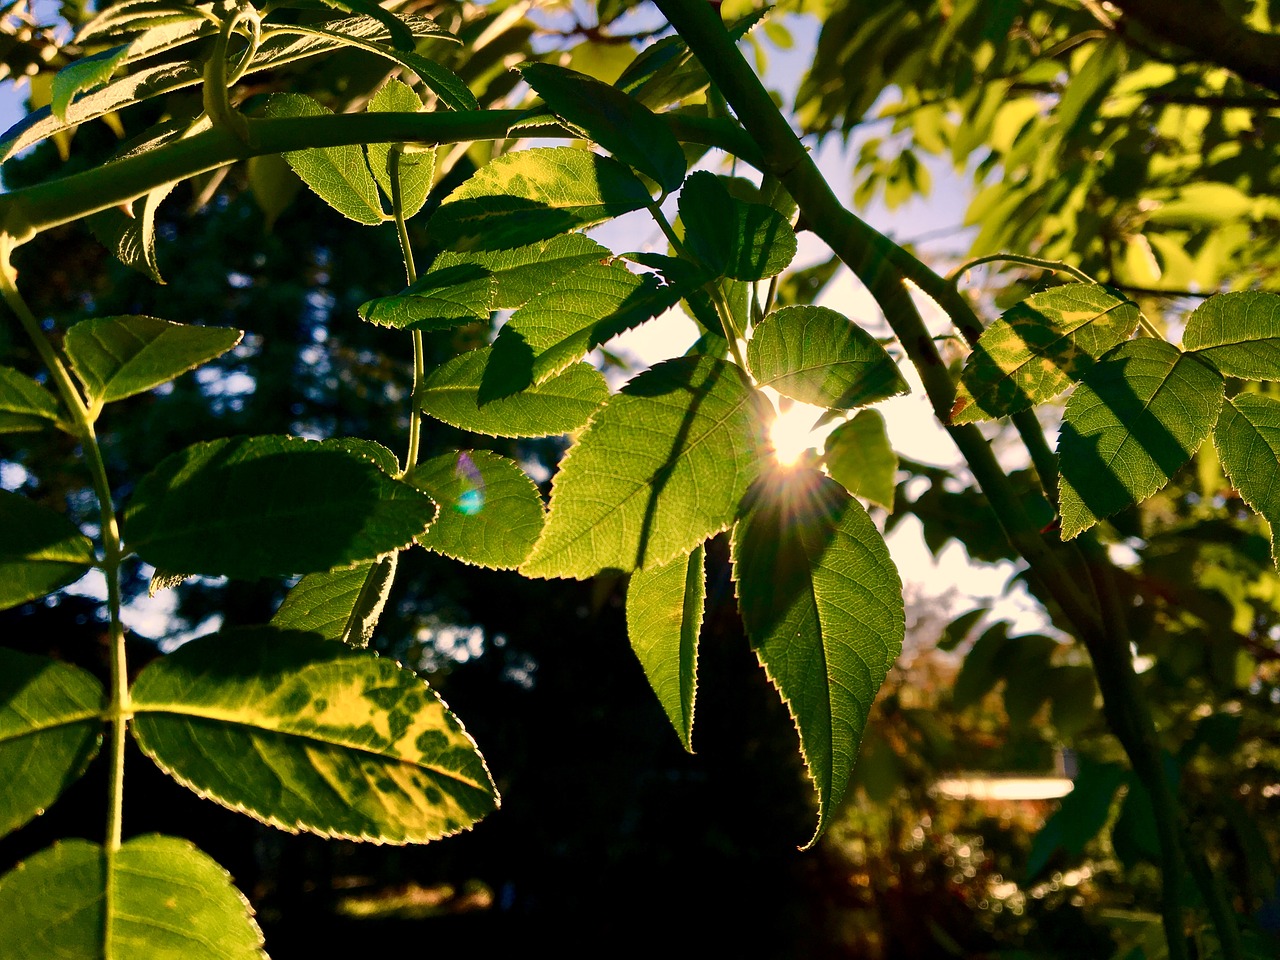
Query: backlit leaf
column 337, row 175
column 131, row 237
column 452, row 393
column 490, row 511
column 40, row 551
column 659, row 469
column 50, row 729
column 315, row 736
column 116, row 357
column 339, row 604
column 858, row 457
column 741, row 239
column 664, row 615
column 607, row 116
column 531, row 195
column 821, row 357
column 1247, row 437
column 265, row 506
column 1039, row 347
column 1238, row 333
column 164, row 900
column 417, row 169
column 524, row 272
column 84, row 74
column 822, row 604
column 438, row 300
column 24, row 404
column 1138, row 415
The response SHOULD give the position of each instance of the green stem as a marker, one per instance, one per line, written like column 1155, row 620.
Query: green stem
column 217, row 99
column 1056, row 265
column 411, row 274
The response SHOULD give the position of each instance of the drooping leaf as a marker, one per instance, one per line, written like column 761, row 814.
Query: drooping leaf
column 490, row 511
column 339, row 604
column 438, row 300
column 337, row 175
column 741, row 239
column 821, row 357
column 40, row 550
column 273, row 185
column 1039, row 347
column 822, row 604
column 116, row 357
column 1247, row 437
column 664, row 616
column 1137, row 416
column 24, row 404
column 524, row 272
column 307, row 735
column 452, row 393
column 131, row 237
column 607, row 116
column 662, row 467
column 858, row 457
column 531, row 195
column 417, row 168
column 266, row 506
column 1238, row 333
column 84, row 74
column 164, row 900
column 50, row 729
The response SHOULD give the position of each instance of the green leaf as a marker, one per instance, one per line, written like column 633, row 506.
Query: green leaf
column 158, row 897
column 24, row 404
column 50, row 728
column 532, row 195
column 337, row 175
column 339, row 604
column 858, row 457
column 41, row 550
column 131, row 237
column 116, row 357
column 417, row 169
column 659, row 469
column 955, row 632
column 452, row 393
column 437, row 300
column 821, row 357
column 1237, row 333
column 273, row 185
column 737, row 238
column 266, row 506
column 1081, row 815
column 84, row 74
column 1247, row 438
column 306, row 735
column 822, row 604
column 622, row 125
column 664, row 616
column 490, row 511
column 401, row 38
column 1137, row 416
column 1039, row 347
column 579, row 312
column 524, row 272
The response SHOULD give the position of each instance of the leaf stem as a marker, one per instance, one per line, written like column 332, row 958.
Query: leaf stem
column 411, row 274
column 1056, row 265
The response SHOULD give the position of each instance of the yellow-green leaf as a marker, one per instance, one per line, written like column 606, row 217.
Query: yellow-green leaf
column 1238, row 333
column 1247, row 437
column 859, row 457
column 24, row 404
column 339, row 604
column 40, row 550
column 417, row 168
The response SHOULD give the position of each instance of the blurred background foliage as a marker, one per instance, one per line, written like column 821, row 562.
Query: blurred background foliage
column 1088, row 136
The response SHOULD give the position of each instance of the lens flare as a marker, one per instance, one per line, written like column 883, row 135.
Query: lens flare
column 792, row 433
column 470, row 500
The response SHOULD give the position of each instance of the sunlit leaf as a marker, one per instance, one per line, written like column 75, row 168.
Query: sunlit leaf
column 858, row 457
column 1039, row 347
column 531, row 195
column 452, row 393
column 24, row 404
column 307, row 735
column 262, row 506
column 1238, row 333
column 662, row 467
column 157, row 897
column 116, row 357
column 438, row 300
column 490, row 511
column 822, row 604
column 1247, row 437
column 417, row 168
column 742, row 240
column 339, row 604
column 821, row 357
column 524, row 272
column 664, row 615
column 84, row 74
column 1137, row 416
column 50, row 728
column 40, row 551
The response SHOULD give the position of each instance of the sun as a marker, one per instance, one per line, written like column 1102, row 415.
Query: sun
column 792, row 433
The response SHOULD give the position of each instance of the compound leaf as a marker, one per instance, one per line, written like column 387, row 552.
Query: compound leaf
column 664, row 616
column 822, row 604
column 662, row 467
column 50, row 729
column 1138, row 415
column 315, row 736
column 821, row 357
column 339, row 604
column 1039, row 347
column 1247, row 438
column 1238, row 333
column 41, row 550
column 266, row 506
column 858, row 457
